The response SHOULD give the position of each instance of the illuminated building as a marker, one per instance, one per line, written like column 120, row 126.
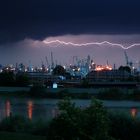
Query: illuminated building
column 107, row 75
column 101, row 68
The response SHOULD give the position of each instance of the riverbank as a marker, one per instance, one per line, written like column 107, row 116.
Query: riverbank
column 18, row 136
column 74, row 93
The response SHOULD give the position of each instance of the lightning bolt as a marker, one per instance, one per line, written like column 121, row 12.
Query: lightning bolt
column 91, row 43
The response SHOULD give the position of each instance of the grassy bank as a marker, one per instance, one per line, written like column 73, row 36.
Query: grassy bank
column 21, row 94
column 100, row 93
column 77, row 93
column 18, row 136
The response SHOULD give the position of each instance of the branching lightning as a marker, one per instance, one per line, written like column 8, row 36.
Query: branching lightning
column 91, row 43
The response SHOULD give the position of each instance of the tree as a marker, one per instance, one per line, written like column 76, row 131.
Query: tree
column 75, row 123
column 22, row 79
column 7, row 79
column 85, row 83
column 125, row 68
column 59, row 70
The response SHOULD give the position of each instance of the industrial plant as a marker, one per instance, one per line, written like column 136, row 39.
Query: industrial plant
column 75, row 73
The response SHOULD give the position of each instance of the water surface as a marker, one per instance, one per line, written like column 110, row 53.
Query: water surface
column 46, row 109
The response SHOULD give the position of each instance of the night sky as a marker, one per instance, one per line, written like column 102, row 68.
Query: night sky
column 24, row 24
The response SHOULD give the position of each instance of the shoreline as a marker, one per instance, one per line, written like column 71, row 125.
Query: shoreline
column 74, row 93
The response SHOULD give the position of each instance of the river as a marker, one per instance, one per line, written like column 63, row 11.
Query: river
column 46, row 109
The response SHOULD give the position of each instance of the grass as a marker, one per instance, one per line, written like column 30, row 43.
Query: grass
column 18, row 136
column 15, row 94
column 104, row 94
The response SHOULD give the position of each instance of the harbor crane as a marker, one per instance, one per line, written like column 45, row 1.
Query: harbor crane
column 47, row 61
column 52, row 61
column 128, row 63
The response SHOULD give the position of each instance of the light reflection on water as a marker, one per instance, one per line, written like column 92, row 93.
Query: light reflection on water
column 30, row 109
column 8, row 108
column 46, row 109
column 134, row 112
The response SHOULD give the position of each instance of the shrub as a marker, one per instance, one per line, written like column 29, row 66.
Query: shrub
column 135, row 95
column 15, row 124
column 123, row 127
column 76, row 123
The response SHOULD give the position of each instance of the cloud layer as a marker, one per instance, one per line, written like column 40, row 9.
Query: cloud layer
column 36, row 51
column 44, row 18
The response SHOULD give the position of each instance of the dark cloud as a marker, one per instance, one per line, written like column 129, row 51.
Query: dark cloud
column 38, row 19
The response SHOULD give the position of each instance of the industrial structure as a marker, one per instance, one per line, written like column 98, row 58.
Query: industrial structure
column 79, row 69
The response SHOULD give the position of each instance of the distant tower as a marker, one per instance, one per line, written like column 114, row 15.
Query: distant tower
column 126, row 58
column 21, row 67
column 43, row 67
column 107, row 63
column 88, row 63
column 16, row 67
column 88, row 59
column 114, row 66
column 75, row 59
column 56, row 62
column 128, row 62
column 30, row 66
column 92, row 65
column 47, row 61
column 52, row 62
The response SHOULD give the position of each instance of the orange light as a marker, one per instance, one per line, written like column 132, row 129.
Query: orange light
column 8, row 109
column 100, row 68
column 30, row 109
column 134, row 112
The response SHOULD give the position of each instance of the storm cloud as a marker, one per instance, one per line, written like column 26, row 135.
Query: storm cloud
column 38, row 19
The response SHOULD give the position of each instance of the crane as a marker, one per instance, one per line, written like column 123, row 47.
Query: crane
column 128, row 63
column 47, row 61
column 52, row 62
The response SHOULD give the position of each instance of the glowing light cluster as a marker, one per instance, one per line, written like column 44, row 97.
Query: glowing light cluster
column 134, row 112
column 91, row 43
column 101, row 68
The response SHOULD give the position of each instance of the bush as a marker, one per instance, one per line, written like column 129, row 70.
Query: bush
column 76, row 123
column 20, row 124
column 123, row 127
column 135, row 95
column 15, row 124
column 22, row 80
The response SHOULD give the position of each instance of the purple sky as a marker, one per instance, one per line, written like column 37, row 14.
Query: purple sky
column 24, row 24
column 35, row 50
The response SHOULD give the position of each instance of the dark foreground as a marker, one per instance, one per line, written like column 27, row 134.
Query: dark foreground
column 72, row 123
column 18, row 136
